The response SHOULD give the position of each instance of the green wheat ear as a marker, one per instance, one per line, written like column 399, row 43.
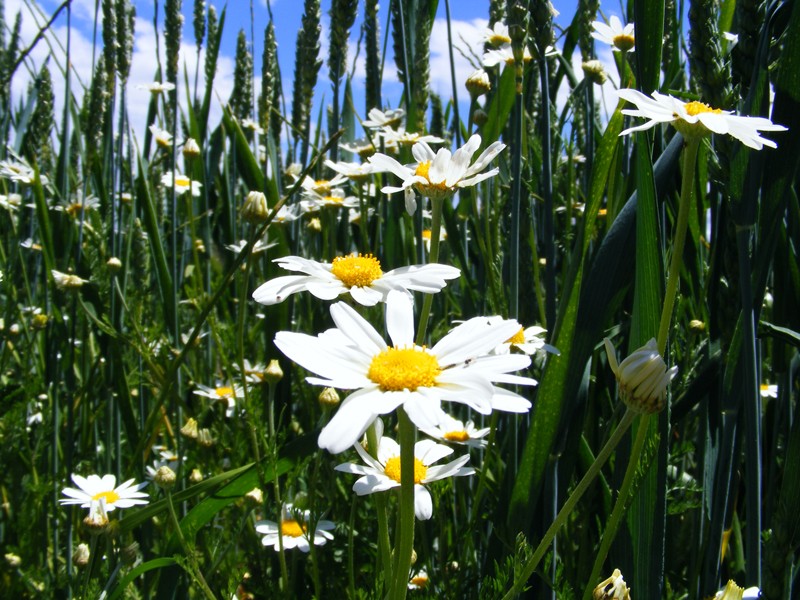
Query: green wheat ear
column 241, row 100
column 373, row 55
column 126, row 17
column 269, row 77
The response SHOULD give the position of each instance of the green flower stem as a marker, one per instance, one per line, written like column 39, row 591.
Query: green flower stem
column 406, row 545
column 687, row 186
column 427, row 302
column 384, row 546
column 197, row 574
column 275, row 483
column 569, row 505
column 620, row 506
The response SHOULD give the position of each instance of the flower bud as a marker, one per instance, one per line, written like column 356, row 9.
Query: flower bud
column 255, row 209
column 195, row 476
column 314, row 224
column 273, row 372
column 190, row 148
column 478, row 84
column 114, row 264
column 613, row 588
column 204, row 438
column 39, row 321
column 594, row 70
column 165, row 478
column 13, row 560
column 80, row 558
column 329, row 398
column 97, row 520
column 643, row 377
column 190, row 429
column 480, row 117
column 254, row 497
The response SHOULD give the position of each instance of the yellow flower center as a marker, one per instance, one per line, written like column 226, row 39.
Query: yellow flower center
column 333, row 199
column 420, row 581
column 322, row 186
column 426, row 234
column 182, row 181
column 224, row 392
column 292, row 528
column 356, row 270
column 623, row 41
column 456, row 436
column 498, row 39
column 397, row 369
column 110, row 497
column 695, row 108
column 392, row 469
column 517, row 338
column 74, row 209
column 435, row 191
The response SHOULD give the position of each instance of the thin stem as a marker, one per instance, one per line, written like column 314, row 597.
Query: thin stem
column 384, row 545
column 276, row 484
column 405, row 547
column 621, row 504
column 687, row 186
column 569, row 505
column 196, row 572
column 427, row 302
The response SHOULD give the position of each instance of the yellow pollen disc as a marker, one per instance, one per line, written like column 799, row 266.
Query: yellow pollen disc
column 292, row 528
column 334, row 199
column 456, row 436
column 397, row 369
column 392, row 469
column 224, row 392
column 110, row 497
column 182, row 181
column 431, row 190
column 426, row 234
column 499, row 40
column 623, row 42
column 420, row 581
column 764, row 387
column 356, row 270
column 695, row 108
column 422, row 169
column 73, row 209
column 517, row 338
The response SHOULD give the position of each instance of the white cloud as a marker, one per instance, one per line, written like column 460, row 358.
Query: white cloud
column 467, row 37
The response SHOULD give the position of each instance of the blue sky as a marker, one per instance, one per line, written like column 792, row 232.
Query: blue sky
column 469, row 17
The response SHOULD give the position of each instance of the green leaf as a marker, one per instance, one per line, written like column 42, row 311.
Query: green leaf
column 649, row 19
column 499, row 108
column 150, row 565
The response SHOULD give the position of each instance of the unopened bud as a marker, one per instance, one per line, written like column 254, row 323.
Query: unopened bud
column 195, row 476
column 642, row 378
column 613, row 588
column 255, row 209
column 114, row 264
column 254, row 497
column 13, row 560
column 39, row 321
column 80, row 558
column 478, row 84
column 273, row 373
column 190, row 429
column 315, row 225
column 204, row 438
column 697, row 326
column 594, row 70
column 479, row 116
column 165, row 478
column 329, row 397
column 190, row 148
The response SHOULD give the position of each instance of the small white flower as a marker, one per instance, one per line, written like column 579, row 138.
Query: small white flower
column 252, row 126
column 312, row 201
column 94, row 489
column 11, row 202
column 20, row 171
column 166, row 459
column 440, row 175
column 504, row 56
column 457, row 432
column 357, row 274
column 293, row 529
column 157, row 87
column 401, row 137
column 354, row 356
column 259, row 247
column 695, row 119
column 527, row 340
column 614, row 34
column 222, row 393
column 613, row 588
column 383, row 473
column 378, row 118
column 182, row 184
column 419, row 581
column 322, row 186
column 362, row 147
column 354, row 171
column 498, row 35
column 768, row 390
column 68, row 281
column 162, row 137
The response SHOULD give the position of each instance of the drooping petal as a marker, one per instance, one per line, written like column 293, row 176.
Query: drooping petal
column 423, row 504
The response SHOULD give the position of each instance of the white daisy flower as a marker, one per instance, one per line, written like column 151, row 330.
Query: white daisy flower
column 95, row 488
column 354, row 356
column 333, row 199
column 614, row 34
column 294, row 530
column 182, row 183
column 223, row 393
column 383, row 473
column 360, row 275
column 695, row 119
column 419, row 581
column 363, row 147
column 734, row 592
column 157, row 87
column 78, row 204
column 357, row 172
column 440, row 175
column 162, row 137
column 498, row 35
column 167, row 459
column 768, row 390
column 322, row 186
column 379, row 118
column 504, row 56
column 457, row 432
column 401, row 137
column 10, row 202
column 642, row 378
column 260, row 246
column 20, row 171
column 252, row 126
column 528, row 340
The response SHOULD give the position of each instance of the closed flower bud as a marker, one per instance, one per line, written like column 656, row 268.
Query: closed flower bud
column 130, row 553
column 254, row 497
column 190, row 148
column 594, row 70
column 255, row 209
column 643, row 377
column 329, row 397
column 190, row 429
column 613, row 588
column 697, row 326
column 273, row 372
column 114, row 264
column 478, row 84
column 734, row 592
column 97, row 520
column 204, row 438
column 479, row 116
column 39, row 321
column 314, row 225
column 195, row 476
column 67, row 281
column 80, row 558
column 165, row 478
column 13, row 560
